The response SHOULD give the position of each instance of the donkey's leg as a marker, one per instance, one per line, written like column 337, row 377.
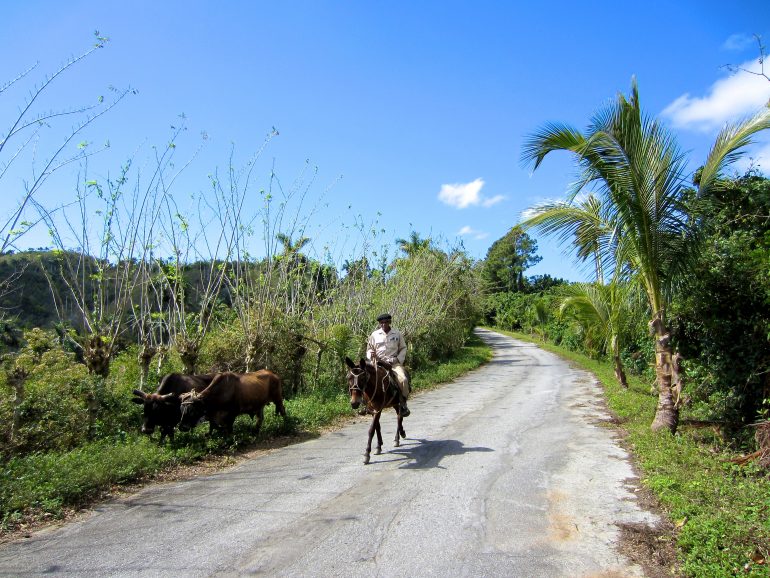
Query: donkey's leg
column 399, row 430
column 372, row 429
column 379, row 434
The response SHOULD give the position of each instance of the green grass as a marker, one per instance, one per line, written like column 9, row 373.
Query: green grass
column 722, row 510
column 44, row 486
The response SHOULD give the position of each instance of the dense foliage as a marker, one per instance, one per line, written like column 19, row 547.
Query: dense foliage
column 722, row 313
column 508, row 258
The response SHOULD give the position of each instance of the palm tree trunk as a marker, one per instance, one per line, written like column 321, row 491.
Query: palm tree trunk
column 620, row 373
column 667, row 412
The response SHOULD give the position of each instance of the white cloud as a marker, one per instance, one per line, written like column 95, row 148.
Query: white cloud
column 464, row 195
column 729, row 99
column 493, row 201
column 467, row 231
column 461, row 195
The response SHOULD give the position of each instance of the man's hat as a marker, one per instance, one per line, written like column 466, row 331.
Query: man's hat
column 384, row 317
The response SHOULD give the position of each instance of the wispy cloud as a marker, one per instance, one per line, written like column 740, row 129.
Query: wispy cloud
column 730, row 98
column 467, row 231
column 492, row 201
column 464, row 195
column 738, row 42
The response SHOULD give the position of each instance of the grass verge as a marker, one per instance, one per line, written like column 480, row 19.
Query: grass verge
column 721, row 510
column 43, row 487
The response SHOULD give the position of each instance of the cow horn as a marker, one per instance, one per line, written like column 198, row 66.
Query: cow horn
column 140, row 393
column 166, row 397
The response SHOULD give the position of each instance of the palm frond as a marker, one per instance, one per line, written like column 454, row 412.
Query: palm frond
column 552, row 137
column 727, row 147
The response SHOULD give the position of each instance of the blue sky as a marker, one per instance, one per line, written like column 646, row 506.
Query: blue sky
column 410, row 115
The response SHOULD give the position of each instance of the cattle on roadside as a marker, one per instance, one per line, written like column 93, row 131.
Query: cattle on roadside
column 162, row 408
column 230, row 395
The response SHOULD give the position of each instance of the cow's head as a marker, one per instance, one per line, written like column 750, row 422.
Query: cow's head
column 158, row 410
column 192, row 410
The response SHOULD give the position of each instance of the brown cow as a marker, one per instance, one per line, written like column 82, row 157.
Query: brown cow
column 228, row 396
column 161, row 408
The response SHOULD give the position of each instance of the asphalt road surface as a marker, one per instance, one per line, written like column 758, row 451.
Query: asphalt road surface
column 507, row 471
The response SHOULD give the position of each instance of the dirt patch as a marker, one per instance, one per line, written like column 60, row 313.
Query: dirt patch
column 651, row 548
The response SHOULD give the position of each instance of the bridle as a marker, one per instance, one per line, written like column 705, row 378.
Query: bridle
column 355, row 386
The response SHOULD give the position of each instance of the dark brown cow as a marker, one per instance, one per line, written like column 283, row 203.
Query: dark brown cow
column 162, row 408
column 228, row 396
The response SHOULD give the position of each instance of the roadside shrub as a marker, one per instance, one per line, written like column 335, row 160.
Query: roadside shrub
column 53, row 413
column 53, row 480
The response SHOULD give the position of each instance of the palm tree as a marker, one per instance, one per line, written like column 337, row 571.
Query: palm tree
column 602, row 310
column 642, row 179
column 291, row 250
column 415, row 244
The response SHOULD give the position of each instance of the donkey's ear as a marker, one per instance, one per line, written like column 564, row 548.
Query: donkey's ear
column 363, row 363
column 349, row 363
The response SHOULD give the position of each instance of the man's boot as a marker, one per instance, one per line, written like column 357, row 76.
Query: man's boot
column 403, row 410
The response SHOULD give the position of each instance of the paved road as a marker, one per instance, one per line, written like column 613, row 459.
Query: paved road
column 505, row 472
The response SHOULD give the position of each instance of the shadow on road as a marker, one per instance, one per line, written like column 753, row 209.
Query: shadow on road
column 420, row 453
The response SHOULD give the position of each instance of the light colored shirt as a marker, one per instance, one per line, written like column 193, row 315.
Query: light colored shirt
column 389, row 347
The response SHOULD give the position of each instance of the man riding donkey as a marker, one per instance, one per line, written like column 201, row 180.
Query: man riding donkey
column 387, row 345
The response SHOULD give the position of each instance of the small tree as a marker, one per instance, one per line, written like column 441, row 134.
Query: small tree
column 602, row 311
